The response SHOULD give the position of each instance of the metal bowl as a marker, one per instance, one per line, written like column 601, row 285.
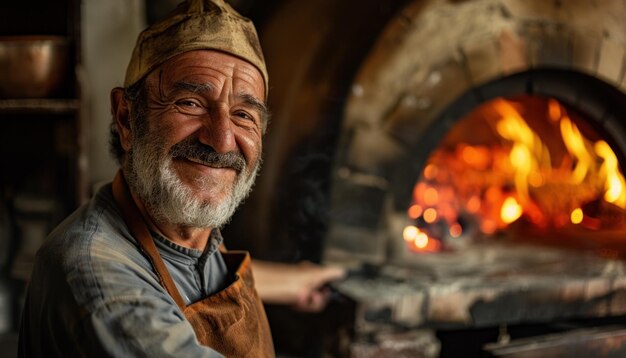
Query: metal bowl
column 32, row 66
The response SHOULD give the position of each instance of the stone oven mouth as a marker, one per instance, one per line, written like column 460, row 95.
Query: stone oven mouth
column 526, row 169
column 533, row 166
column 532, row 158
column 523, row 178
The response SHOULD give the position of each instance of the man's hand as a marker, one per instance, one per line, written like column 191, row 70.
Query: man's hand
column 299, row 285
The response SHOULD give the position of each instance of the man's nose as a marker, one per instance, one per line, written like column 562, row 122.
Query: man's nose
column 217, row 130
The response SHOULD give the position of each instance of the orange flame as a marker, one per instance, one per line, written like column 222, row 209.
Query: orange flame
column 510, row 174
column 528, row 149
column 614, row 182
column 577, row 146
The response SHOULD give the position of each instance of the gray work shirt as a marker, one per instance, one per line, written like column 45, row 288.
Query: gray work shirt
column 94, row 294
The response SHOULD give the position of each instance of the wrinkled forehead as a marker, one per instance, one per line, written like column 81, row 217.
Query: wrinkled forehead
column 209, row 70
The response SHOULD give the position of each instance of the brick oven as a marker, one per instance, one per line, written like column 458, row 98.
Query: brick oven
column 472, row 179
column 475, row 173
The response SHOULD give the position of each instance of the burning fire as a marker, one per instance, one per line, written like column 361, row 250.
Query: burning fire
column 526, row 161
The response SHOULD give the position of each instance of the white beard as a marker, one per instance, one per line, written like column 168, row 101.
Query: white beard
column 168, row 199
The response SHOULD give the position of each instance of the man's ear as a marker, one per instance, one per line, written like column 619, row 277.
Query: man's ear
column 121, row 114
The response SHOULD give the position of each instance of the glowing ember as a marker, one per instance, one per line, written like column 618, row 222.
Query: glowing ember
column 410, row 233
column 456, row 230
column 527, row 161
column 510, row 210
column 577, row 216
column 415, row 211
column 430, row 215
column 430, row 171
column 419, row 241
column 554, row 110
column 473, row 204
column 431, row 197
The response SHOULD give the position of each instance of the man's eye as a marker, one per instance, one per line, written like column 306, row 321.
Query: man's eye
column 244, row 115
column 188, row 103
column 190, row 107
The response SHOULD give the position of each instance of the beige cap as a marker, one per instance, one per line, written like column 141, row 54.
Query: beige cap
column 196, row 25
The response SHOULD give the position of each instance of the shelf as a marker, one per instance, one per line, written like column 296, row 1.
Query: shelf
column 39, row 105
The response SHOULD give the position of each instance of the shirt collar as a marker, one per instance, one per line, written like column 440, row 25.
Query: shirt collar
column 186, row 254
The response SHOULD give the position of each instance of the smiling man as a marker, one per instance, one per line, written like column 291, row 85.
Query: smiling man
column 141, row 270
column 195, row 154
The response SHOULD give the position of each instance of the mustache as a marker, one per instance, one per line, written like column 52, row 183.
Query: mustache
column 190, row 148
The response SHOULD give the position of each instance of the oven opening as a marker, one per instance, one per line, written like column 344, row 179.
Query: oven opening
column 525, row 168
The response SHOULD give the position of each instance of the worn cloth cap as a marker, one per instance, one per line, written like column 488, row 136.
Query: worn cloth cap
column 196, row 25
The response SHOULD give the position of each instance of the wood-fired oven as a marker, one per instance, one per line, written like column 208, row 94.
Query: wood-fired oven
column 477, row 186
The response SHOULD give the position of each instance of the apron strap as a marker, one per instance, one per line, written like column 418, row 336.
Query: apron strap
column 135, row 222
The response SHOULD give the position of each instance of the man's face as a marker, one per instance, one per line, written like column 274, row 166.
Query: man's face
column 196, row 154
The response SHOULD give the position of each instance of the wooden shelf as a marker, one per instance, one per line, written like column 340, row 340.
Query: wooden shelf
column 39, row 105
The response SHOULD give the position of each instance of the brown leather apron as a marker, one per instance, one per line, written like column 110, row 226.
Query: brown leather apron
column 232, row 321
